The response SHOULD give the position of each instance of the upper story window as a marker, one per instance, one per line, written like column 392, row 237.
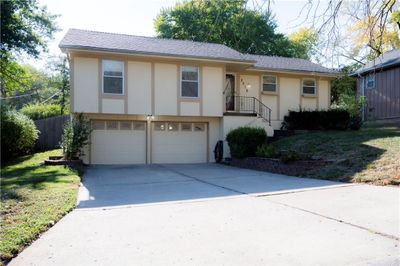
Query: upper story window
column 370, row 81
column 269, row 83
column 113, row 77
column 309, row 86
column 189, row 81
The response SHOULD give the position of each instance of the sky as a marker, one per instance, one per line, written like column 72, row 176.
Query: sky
column 136, row 17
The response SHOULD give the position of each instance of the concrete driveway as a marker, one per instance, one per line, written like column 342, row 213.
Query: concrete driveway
column 209, row 214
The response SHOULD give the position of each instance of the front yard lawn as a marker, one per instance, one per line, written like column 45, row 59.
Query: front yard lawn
column 33, row 198
column 370, row 155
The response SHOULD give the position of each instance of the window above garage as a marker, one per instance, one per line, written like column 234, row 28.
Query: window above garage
column 113, row 77
column 189, row 81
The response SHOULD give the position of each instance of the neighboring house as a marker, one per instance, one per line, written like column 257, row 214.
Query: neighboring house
column 169, row 101
column 379, row 82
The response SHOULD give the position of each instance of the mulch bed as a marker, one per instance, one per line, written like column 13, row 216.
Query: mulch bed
column 296, row 168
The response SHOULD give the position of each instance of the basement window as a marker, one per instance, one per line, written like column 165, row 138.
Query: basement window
column 189, row 81
column 309, row 87
column 113, row 77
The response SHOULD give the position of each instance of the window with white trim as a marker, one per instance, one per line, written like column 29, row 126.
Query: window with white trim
column 309, row 86
column 113, row 77
column 371, row 81
column 189, row 81
column 269, row 83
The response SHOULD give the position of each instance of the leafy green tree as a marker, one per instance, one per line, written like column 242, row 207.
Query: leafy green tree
column 227, row 22
column 305, row 42
column 25, row 28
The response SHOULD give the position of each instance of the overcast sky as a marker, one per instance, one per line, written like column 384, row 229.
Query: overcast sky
column 136, row 16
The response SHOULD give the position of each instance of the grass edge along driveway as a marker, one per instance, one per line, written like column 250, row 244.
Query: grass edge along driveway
column 33, row 198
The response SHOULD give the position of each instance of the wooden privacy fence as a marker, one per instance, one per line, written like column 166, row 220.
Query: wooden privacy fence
column 51, row 130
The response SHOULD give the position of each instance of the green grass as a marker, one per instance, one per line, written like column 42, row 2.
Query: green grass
column 370, row 155
column 33, row 198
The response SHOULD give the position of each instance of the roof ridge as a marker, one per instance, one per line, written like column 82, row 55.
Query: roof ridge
column 151, row 37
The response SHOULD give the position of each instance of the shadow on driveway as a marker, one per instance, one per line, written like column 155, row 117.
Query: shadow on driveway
column 113, row 186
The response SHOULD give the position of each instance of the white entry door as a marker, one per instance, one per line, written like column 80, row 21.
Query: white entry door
column 178, row 142
column 118, row 142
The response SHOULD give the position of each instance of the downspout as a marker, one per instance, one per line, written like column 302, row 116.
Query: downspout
column 362, row 90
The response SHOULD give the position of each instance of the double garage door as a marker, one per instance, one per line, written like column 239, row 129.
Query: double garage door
column 130, row 142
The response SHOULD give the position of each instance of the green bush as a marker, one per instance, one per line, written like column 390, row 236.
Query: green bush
column 40, row 111
column 266, row 151
column 75, row 136
column 334, row 119
column 18, row 134
column 243, row 141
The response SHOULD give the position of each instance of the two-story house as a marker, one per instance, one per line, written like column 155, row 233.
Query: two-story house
column 156, row 100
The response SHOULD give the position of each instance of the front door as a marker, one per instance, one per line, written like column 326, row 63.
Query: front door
column 230, row 92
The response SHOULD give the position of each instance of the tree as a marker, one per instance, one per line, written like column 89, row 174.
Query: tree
column 373, row 27
column 227, row 22
column 305, row 41
column 25, row 28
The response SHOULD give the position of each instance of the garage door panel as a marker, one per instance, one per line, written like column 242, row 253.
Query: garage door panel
column 179, row 146
column 118, row 147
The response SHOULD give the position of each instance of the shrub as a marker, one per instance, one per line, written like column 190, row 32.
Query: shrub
column 18, row 133
column 353, row 104
column 243, row 141
column 40, row 111
column 336, row 119
column 266, row 151
column 75, row 136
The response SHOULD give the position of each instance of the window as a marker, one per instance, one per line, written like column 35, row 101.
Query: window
column 269, row 83
column 112, row 125
column 189, row 81
column 138, row 126
column 113, row 77
column 125, row 125
column 186, row 127
column 199, row 127
column 309, row 86
column 173, row 126
column 370, row 81
column 159, row 126
column 98, row 125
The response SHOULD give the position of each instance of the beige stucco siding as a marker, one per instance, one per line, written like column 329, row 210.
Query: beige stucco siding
column 86, row 85
column 249, row 85
column 309, row 103
column 289, row 95
column 190, row 108
column 165, row 89
column 212, row 84
column 323, row 95
column 113, row 106
column 139, row 87
column 271, row 101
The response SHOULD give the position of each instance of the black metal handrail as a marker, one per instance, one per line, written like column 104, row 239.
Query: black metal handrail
column 248, row 105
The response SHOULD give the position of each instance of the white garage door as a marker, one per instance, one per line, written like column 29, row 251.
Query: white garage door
column 179, row 142
column 118, row 142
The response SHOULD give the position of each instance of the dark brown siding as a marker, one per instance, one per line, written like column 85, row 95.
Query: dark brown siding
column 384, row 99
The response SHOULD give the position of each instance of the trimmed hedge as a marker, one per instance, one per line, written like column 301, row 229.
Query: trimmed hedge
column 335, row 119
column 243, row 141
column 40, row 111
column 18, row 134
